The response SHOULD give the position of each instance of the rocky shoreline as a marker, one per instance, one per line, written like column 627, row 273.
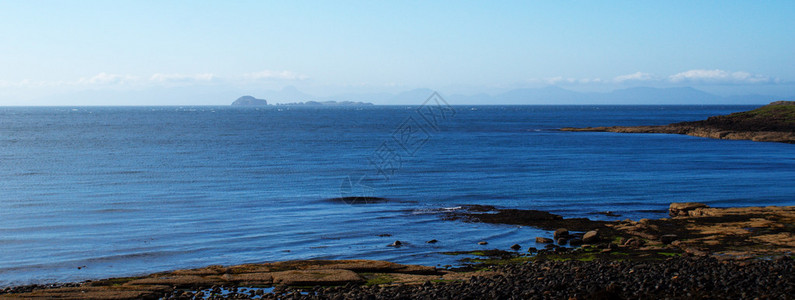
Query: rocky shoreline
column 699, row 252
column 774, row 122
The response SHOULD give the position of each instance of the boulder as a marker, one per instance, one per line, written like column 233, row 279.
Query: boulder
column 590, row 237
column 634, row 243
column 682, row 209
column 516, row 247
column 561, row 232
column 543, row 240
column 483, row 243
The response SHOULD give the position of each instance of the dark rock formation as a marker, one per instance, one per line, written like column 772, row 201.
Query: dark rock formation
column 774, row 122
column 249, row 101
column 682, row 209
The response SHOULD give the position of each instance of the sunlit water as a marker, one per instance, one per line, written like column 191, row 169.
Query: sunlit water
column 94, row 192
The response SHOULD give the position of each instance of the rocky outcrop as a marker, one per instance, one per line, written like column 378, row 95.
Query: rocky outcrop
column 287, row 273
column 694, row 228
column 774, row 122
column 249, row 101
column 683, row 208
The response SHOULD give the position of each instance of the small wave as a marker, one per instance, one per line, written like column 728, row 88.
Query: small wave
column 425, row 211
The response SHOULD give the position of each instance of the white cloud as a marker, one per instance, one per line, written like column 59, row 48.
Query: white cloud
column 107, row 79
column 278, row 75
column 159, row 77
column 718, row 76
column 637, row 76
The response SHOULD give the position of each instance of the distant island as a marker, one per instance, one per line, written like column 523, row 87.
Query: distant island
column 327, row 103
column 774, row 122
column 249, row 101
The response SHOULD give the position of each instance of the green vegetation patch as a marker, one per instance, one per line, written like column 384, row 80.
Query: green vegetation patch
column 378, row 279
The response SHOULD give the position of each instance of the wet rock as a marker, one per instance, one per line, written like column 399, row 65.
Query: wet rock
column 682, row 209
column 396, row 244
column 608, row 213
column 634, row 243
column 532, row 250
column 562, row 241
column 483, row 243
column 590, row 237
column 516, row 247
column 432, row 242
column 668, row 238
column 560, row 232
column 576, row 242
column 543, row 240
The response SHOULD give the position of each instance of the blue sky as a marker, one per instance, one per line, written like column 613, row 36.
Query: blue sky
column 68, row 52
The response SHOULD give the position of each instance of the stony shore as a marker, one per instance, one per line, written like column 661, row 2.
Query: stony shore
column 699, row 252
column 772, row 123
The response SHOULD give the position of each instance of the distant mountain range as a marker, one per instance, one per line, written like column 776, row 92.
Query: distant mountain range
column 637, row 95
column 326, row 103
column 551, row 95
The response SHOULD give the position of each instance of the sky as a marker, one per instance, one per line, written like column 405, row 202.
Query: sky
column 210, row 52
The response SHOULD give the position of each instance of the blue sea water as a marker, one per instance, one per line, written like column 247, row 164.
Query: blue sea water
column 96, row 192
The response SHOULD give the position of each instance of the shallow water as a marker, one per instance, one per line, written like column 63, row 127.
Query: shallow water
column 120, row 191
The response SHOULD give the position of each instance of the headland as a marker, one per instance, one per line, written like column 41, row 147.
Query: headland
column 774, row 122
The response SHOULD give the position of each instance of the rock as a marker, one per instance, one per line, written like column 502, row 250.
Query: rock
column 316, row 277
column 561, row 232
column 432, row 242
column 668, row 238
column 562, row 241
column 695, row 252
column 634, row 243
column 516, row 247
column 532, row 250
column 590, row 237
column 608, row 213
column 575, row 242
column 483, row 243
column 682, row 209
column 396, row 244
column 543, row 240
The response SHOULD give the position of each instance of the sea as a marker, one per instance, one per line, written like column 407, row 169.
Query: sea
column 97, row 192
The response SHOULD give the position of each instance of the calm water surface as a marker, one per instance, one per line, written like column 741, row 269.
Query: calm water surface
column 123, row 191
